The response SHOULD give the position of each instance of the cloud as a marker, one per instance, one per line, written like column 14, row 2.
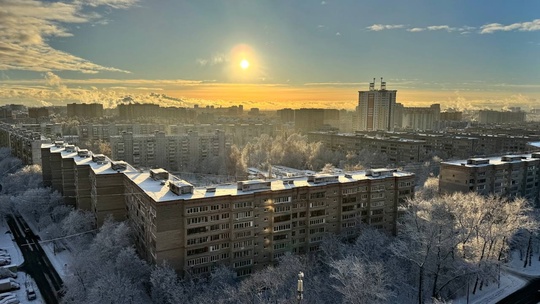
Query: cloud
column 440, row 28
column 28, row 24
column 214, row 60
column 323, row 2
column 463, row 30
column 520, row 26
column 118, row 4
column 338, row 34
column 380, row 27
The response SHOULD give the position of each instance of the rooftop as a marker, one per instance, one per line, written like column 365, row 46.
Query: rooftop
column 159, row 190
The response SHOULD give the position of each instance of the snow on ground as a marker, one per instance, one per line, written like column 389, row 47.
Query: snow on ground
column 8, row 244
column 513, row 277
column 59, row 257
column 17, row 259
column 517, row 265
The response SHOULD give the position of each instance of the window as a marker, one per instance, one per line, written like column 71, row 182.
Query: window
column 196, row 209
column 242, row 215
column 196, row 220
column 321, row 194
column 317, row 221
column 282, row 227
column 243, row 205
column 243, row 225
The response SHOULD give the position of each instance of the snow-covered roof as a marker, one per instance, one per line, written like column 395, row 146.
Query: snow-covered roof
column 494, row 160
column 159, row 190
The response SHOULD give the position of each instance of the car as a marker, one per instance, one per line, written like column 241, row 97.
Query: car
column 10, row 300
column 30, row 291
column 5, row 295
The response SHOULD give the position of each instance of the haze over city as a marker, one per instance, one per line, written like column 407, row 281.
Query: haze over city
column 270, row 55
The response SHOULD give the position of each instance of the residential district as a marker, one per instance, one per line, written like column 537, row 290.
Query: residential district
column 254, row 217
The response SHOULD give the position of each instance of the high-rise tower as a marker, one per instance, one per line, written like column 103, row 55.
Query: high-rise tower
column 376, row 108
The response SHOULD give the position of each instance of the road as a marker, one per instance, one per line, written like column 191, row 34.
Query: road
column 530, row 293
column 36, row 263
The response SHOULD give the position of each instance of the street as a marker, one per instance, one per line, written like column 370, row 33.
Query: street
column 530, row 293
column 36, row 263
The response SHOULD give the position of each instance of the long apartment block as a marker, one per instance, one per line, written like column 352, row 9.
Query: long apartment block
column 177, row 152
column 507, row 175
column 247, row 225
column 91, row 182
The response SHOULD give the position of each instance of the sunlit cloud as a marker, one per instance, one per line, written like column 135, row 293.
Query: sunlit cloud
column 520, row 26
column 416, row 29
column 380, row 27
column 27, row 24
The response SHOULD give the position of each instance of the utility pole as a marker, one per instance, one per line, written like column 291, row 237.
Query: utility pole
column 300, row 287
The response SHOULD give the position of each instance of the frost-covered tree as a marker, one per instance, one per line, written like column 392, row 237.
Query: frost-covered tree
column 359, row 282
column 165, row 286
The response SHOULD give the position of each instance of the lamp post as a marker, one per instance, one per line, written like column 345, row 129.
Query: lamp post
column 300, row 287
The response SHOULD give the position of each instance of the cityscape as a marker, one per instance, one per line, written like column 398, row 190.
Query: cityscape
column 251, row 152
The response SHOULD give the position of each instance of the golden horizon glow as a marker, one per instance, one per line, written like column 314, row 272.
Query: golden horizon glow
column 244, row 64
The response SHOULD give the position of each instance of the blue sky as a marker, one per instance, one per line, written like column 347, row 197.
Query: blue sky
column 484, row 53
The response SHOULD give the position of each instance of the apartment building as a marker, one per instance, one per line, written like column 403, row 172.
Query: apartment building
column 508, row 175
column 376, row 108
column 492, row 116
column 24, row 144
column 249, row 225
column 399, row 150
column 104, row 132
column 83, row 110
column 417, row 118
column 175, row 152
column 239, row 134
column 246, row 226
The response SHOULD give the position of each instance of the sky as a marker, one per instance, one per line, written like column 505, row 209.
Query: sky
column 270, row 54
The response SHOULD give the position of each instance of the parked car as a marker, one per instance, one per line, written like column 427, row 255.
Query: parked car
column 8, row 284
column 30, row 291
column 5, row 261
column 10, row 300
column 5, row 295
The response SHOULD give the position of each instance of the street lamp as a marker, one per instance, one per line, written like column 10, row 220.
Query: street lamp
column 300, row 287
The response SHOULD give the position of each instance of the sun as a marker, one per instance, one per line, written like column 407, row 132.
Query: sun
column 244, row 64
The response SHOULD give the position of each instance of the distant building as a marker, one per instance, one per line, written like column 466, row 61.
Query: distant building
column 306, row 120
column 418, row 118
column 508, row 175
column 286, row 115
column 451, row 116
column 83, row 110
column 376, row 108
column 491, row 116
column 175, row 152
column 37, row 113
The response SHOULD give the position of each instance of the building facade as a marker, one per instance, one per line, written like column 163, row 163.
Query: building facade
column 418, row 118
column 83, row 110
column 250, row 225
column 376, row 108
column 509, row 176
column 175, row 152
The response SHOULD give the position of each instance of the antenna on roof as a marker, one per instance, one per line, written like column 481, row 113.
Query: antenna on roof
column 383, row 84
column 372, row 85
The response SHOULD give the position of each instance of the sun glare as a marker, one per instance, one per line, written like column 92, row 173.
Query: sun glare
column 244, row 64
